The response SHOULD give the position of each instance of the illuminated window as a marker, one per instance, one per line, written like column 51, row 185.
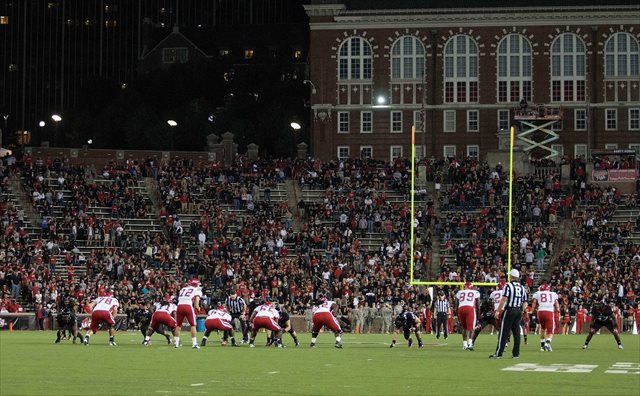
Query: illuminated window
column 407, row 58
column 175, row 55
column 568, row 64
column 461, row 70
column 297, row 54
column 111, row 23
column 248, row 54
column 514, row 68
column 4, row 20
column 355, row 60
column 223, row 52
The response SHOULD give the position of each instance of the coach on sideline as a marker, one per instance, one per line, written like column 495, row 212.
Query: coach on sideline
column 514, row 302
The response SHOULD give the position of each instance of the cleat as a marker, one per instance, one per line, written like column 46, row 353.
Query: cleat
column 168, row 340
column 585, row 346
column 85, row 341
column 470, row 349
column 112, row 343
column 464, row 348
column 420, row 344
column 543, row 349
column 234, row 345
column 204, row 342
column 312, row 345
column 195, row 346
column 57, row 341
column 145, row 343
column 251, row 346
column 338, row 345
column 392, row 345
column 548, row 348
column 620, row 346
column 297, row 344
column 495, row 357
column 409, row 343
column 516, row 357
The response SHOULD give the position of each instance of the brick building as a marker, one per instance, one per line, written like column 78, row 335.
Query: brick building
column 459, row 73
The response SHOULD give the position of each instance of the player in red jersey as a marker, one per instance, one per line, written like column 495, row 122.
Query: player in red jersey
column 265, row 316
column 323, row 315
column 104, row 309
column 218, row 319
column 188, row 303
column 467, row 313
column 547, row 303
column 526, row 323
column 163, row 315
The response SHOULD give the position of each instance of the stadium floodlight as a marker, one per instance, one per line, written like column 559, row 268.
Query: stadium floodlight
column 296, row 126
column 172, row 123
column 90, row 141
column 56, row 118
column 381, row 102
column 42, row 124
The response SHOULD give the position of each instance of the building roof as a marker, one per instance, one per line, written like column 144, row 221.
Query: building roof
column 460, row 4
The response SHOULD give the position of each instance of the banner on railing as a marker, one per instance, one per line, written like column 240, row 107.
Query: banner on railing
column 616, row 175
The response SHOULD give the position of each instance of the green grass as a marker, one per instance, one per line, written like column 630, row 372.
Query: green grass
column 30, row 363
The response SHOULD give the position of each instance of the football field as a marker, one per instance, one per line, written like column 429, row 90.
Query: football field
column 30, row 363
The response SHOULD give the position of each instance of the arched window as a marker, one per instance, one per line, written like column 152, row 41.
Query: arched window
column 514, row 68
column 568, row 77
column 461, row 70
column 621, row 56
column 407, row 59
column 354, row 59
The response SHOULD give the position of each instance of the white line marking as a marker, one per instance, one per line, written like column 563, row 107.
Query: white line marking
column 273, row 372
column 198, row 384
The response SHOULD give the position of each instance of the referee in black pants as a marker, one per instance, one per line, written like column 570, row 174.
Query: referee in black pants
column 514, row 302
column 441, row 309
column 238, row 309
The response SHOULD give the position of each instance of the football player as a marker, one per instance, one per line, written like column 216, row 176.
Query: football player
column 602, row 315
column 408, row 322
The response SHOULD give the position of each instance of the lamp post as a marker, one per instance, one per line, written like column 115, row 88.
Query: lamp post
column 56, row 119
column 6, row 117
column 172, row 124
column 296, row 127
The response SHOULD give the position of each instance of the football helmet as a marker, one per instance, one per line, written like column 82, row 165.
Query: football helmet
column 194, row 282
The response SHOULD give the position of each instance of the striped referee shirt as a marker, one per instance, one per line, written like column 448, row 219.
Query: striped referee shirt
column 442, row 306
column 516, row 295
column 235, row 305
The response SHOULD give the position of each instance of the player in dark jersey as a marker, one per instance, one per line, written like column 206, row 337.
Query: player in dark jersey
column 408, row 322
column 285, row 322
column 602, row 315
column 486, row 318
column 67, row 320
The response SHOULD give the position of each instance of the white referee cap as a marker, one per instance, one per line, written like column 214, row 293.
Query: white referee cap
column 514, row 273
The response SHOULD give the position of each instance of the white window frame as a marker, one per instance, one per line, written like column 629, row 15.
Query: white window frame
column 607, row 113
column 449, row 126
column 580, row 150
column 358, row 60
column 343, row 126
column 418, row 122
column 449, row 147
column 475, row 147
column 611, row 146
column 568, row 64
column 470, row 127
column 520, row 74
column 366, row 126
column 629, row 55
column 362, row 148
column 559, row 148
column 391, row 154
column 461, row 65
column 634, row 118
column 348, row 152
column 502, row 118
column 576, row 118
column 395, row 125
column 407, row 59
column 420, row 151
column 175, row 55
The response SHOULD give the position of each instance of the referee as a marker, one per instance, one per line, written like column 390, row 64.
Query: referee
column 441, row 309
column 237, row 309
column 514, row 302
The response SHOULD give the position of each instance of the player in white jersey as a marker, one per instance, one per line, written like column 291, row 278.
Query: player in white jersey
column 496, row 296
column 467, row 313
column 163, row 315
column 218, row 319
column 265, row 316
column 104, row 309
column 188, row 303
column 323, row 316
column 547, row 303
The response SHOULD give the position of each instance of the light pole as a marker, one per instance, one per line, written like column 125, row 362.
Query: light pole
column 56, row 119
column 172, row 124
column 6, row 117
column 296, row 127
